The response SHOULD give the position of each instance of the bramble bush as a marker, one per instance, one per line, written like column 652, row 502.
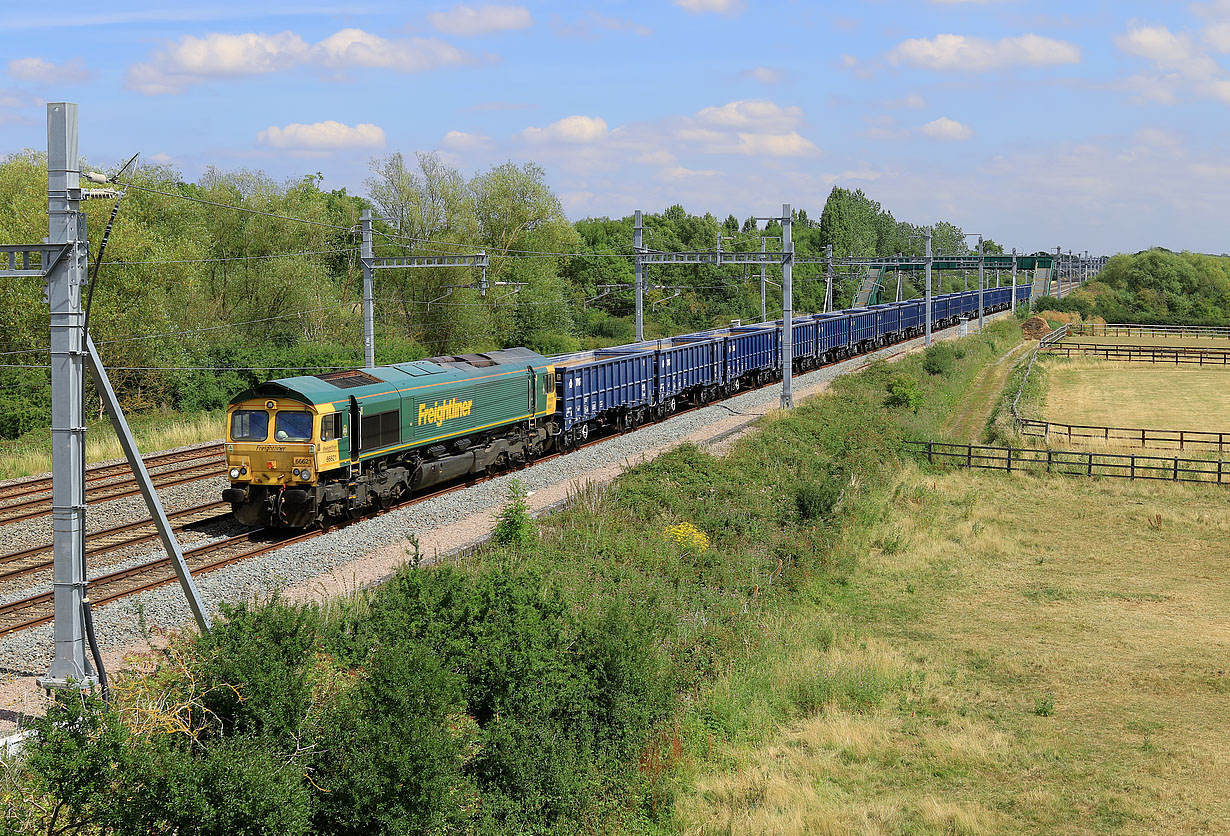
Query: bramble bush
column 903, row 390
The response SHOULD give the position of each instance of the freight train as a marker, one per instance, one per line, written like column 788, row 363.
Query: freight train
column 316, row 449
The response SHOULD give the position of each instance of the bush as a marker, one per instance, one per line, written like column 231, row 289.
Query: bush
column 903, row 391
column 939, row 359
column 561, row 699
column 815, row 500
column 104, row 779
column 514, row 526
column 398, row 744
column 254, row 670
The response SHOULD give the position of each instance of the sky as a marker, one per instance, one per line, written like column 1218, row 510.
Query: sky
column 1097, row 126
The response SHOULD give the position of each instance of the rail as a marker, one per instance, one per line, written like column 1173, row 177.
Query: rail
column 1074, row 463
column 1054, row 336
column 1096, row 329
column 1156, row 439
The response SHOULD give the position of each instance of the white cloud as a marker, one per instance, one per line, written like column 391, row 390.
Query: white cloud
column 969, row 54
column 725, row 7
column 36, row 69
column 1168, row 51
column 912, row 101
column 356, row 48
column 680, row 173
column 320, row 136
column 462, row 141
column 570, row 129
column 194, row 60
column 760, row 113
column 1181, row 63
column 765, row 75
column 775, row 145
column 586, row 26
column 468, row 21
column 945, row 128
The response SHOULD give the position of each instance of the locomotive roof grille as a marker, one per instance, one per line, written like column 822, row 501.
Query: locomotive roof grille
column 348, row 379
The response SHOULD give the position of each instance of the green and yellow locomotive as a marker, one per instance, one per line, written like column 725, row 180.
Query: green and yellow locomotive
column 313, row 449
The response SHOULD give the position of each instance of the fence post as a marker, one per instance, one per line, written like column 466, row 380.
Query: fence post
column 1182, row 440
column 1133, row 471
column 1089, row 457
column 1048, row 459
column 930, row 447
column 1176, row 468
column 969, row 455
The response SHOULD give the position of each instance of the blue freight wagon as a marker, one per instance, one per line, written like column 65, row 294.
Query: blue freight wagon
column 596, row 389
column 752, row 351
column 886, row 321
column 863, row 330
column 911, row 314
column 803, row 338
column 832, row 335
column 681, row 367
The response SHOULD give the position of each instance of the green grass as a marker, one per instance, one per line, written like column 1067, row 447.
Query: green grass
column 31, row 454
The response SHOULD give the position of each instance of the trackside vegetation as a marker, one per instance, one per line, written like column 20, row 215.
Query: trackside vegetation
column 565, row 682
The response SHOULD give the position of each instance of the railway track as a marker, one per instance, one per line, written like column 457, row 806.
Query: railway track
column 37, row 609
column 31, row 499
column 107, row 541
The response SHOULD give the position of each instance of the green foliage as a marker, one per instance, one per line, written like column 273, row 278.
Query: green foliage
column 397, row 747
column 1155, row 287
column 939, row 359
column 815, row 500
column 903, row 390
column 513, row 525
column 1044, row 706
column 102, row 778
column 561, row 701
column 263, row 655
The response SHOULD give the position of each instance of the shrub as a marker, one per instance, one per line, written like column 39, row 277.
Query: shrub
column 939, row 359
column 254, row 670
column 514, row 526
column 1044, row 706
column 815, row 500
column 903, row 391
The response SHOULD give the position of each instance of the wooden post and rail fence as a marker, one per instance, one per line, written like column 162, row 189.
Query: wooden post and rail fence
column 1073, row 463
column 1055, row 343
column 1089, row 463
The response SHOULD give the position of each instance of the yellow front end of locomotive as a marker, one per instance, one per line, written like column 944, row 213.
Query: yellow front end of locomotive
column 276, row 441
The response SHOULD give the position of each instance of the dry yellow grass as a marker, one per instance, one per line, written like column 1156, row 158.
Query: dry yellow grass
column 1091, row 392
column 1057, row 657
column 29, row 456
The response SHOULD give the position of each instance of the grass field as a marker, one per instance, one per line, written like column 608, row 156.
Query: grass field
column 1091, row 392
column 991, row 669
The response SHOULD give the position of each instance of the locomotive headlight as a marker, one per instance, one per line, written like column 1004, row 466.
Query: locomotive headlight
column 234, row 473
column 295, row 473
column 306, row 474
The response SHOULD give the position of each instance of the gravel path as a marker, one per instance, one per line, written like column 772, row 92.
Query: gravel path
column 340, row 552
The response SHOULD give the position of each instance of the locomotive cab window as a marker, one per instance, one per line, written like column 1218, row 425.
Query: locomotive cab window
column 249, row 425
column 331, row 426
column 293, row 426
